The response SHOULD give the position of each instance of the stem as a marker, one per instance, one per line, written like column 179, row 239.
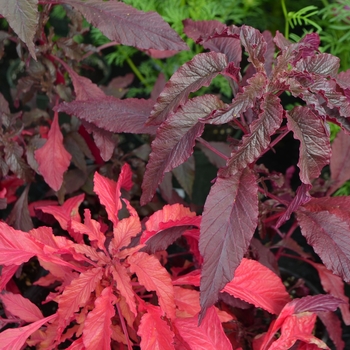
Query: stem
column 285, row 13
column 136, row 71
column 99, row 48
column 213, row 149
column 275, row 141
column 272, row 196
column 289, row 233
column 122, row 321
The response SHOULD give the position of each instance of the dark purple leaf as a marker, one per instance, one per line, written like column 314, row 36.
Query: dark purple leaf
column 167, row 191
column 202, row 29
column 214, row 158
column 241, row 102
column 188, row 78
column 158, row 86
column 315, row 148
column 301, row 197
column 229, row 220
column 14, row 160
column 316, row 303
column 343, row 79
column 113, row 114
column 329, row 234
column 255, row 44
column 264, row 255
column 22, row 17
column 175, row 141
column 184, row 174
column 257, row 141
column 270, row 52
column 19, row 217
column 340, row 161
column 126, row 25
column 323, row 64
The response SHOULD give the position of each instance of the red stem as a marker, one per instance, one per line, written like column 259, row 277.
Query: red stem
column 272, row 196
column 122, row 321
column 99, row 48
column 213, row 149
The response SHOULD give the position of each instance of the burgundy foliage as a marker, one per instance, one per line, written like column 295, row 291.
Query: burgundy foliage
column 123, row 268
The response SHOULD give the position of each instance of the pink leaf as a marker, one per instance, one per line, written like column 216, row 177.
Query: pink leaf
column 187, row 302
column 65, row 213
column 53, row 159
column 178, row 133
column 124, row 285
column 259, row 286
column 22, row 17
column 334, row 285
column 188, row 78
column 208, row 336
column 340, row 161
column 112, row 114
column 76, row 295
column 97, row 327
column 14, row 339
column 328, row 232
column 254, row 143
column 322, row 63
column 16, row 247
column 155, row 277
column 315, row 148
column 6, row 274
column 229, row 220
column 21, row 307
column 154, row 331
column 128, row 26
column 124, row 231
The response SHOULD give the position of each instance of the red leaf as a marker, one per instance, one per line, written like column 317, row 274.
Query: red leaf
column 297, row 327
column 208, row 336
column 53, row 159
column 97, row 327
column 124, row 285
column 187, row 302
column 154, row 276
column 76, row 295
column 334, row 327
column 178, row 133
column 202, row 29
column 259, row 286
column 334, row 285
column 21, row 307
column 128, row 26
column 257, row 141
column 242, row 101
column 315, row 148
column 14, row 339
column 188, row 78
column 328, row 233
column 66, row 212
column 6, row 274
column 154, row 331
column 229, row 220
column 340, row 161
column 22, row 17
column 112, row 114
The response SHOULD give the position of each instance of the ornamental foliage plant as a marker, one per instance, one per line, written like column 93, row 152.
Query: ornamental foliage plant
column 126, row 260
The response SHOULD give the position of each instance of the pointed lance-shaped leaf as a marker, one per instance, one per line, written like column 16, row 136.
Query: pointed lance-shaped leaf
column 126, row 25
column 154, row 276
column 256, row 284
column 21, row 307
column 197, row 30
column 76, row 295
column 175, row 141
column 53, row 159
column 207, row 336
column 255, row 44
column 22, row 17
column 254, row 143
column 333, row 326
column 198, row 72
column 315, row 147
column 229, row 220
column 15, row 338
column 154, row 331
column 112, row 114
column 328, row 232
column 242, row 101
column 97, row 326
